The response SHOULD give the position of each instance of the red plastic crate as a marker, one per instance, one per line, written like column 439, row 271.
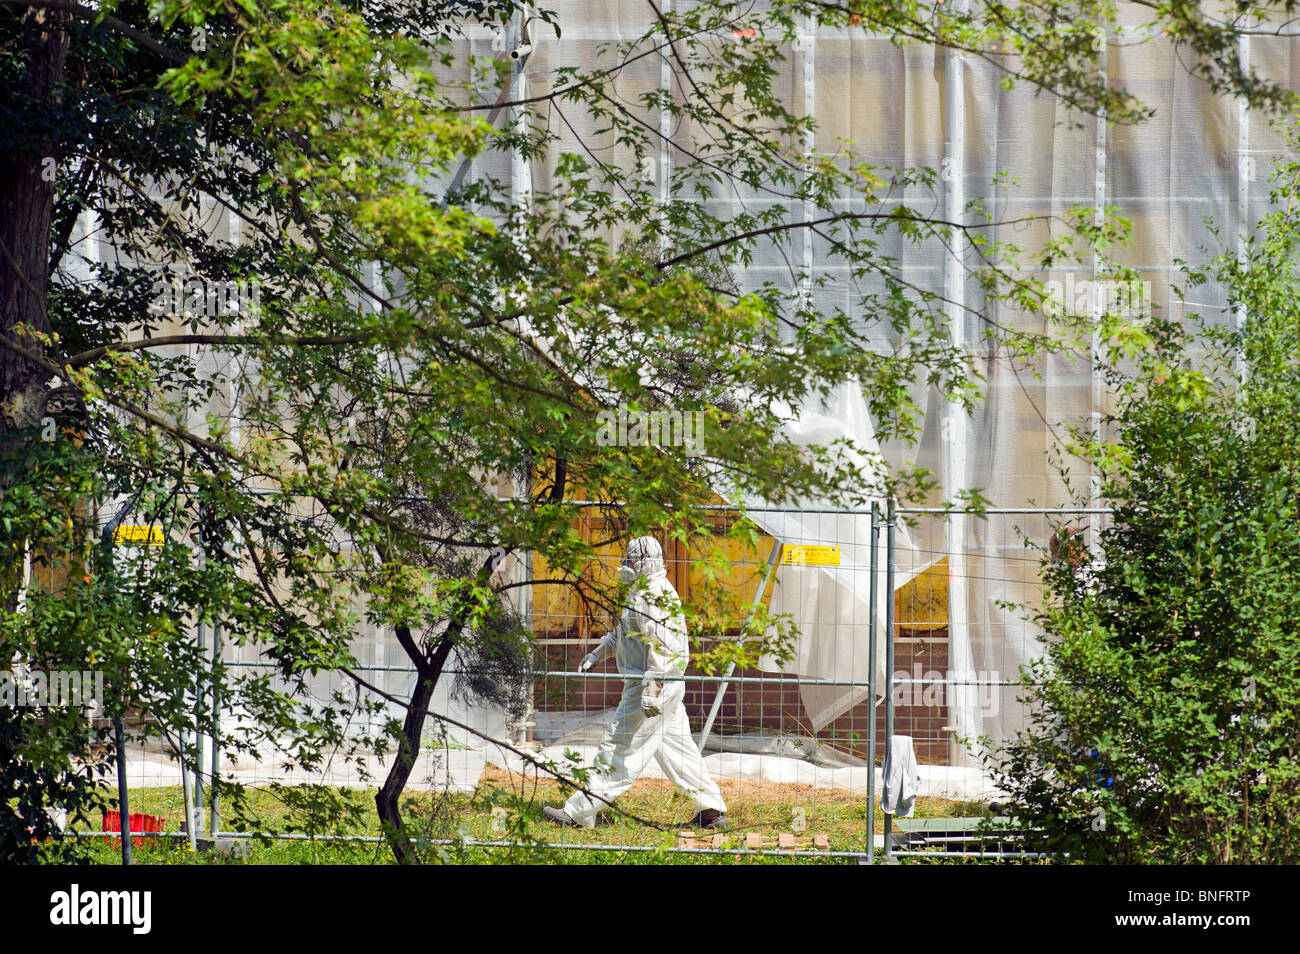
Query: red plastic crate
column 112, row 821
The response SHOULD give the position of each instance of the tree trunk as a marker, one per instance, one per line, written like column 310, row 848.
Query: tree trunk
column 386, row 799
column 413, row 726
column 27, row 175
column 26, row 210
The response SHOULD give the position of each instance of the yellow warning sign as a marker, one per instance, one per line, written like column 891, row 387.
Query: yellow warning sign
column 138, row 535
column 799, row 555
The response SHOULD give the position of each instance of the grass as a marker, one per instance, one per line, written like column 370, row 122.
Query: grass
column 507, row 808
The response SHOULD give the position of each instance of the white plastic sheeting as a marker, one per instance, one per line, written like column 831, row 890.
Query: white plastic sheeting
column 1200, row 158
column 755, row 759
column 831, row 603
column 935, row 781
column 438, row 768
column 460, row 770
column 450, row 757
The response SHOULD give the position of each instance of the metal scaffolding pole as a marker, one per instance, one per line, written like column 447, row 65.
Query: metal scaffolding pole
column 808, row 42
column 955, row 431
column 1092, row 538
column 1245, row 174
column 665, row 163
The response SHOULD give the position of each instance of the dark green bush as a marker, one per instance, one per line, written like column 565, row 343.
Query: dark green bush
column 1167, row 724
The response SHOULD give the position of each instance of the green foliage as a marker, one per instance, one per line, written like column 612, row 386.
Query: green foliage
column 48, row 765
column 338, row 451
column 1167, row 723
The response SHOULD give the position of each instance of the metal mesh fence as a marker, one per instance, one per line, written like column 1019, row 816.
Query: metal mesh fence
column 789, row 744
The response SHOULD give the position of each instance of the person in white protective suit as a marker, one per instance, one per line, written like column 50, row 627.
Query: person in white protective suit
column 649, row 643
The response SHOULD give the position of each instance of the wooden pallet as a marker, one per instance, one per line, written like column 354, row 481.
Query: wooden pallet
column 788, row 842
column 703, row 839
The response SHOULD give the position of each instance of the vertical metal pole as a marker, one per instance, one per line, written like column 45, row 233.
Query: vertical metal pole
column 191, row 775
column 119, row 730
column 960, row 653
column 200, row 766
column 872, row 642
column 809, row 40
column 214, row 812
column 1098, row 300
column 664, row 169
column 889, row 651
column 523, row 573
column 202, row 634
column 521, row 173
column 1245, row 173
column 187, row 795
column 123, row 805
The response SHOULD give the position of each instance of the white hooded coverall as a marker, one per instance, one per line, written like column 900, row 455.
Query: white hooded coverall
column 649, row 642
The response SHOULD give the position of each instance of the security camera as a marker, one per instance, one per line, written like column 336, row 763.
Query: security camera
column 522, row 50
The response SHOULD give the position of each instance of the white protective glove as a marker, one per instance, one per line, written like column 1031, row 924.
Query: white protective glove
column 651, row 698
column 588, row 661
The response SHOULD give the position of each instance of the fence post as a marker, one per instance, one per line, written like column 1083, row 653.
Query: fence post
column 192, row 774
column 872, row 643
column 187, row 795
column 889, row 656
column 200, row 766
column 214, row 814
column 119, row 729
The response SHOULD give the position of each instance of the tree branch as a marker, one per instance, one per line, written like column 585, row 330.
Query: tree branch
column 98, row 16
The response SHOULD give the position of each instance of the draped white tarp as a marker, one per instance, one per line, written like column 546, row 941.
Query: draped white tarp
column 831, row 603
column 1198, row 159
column 1021, row 153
